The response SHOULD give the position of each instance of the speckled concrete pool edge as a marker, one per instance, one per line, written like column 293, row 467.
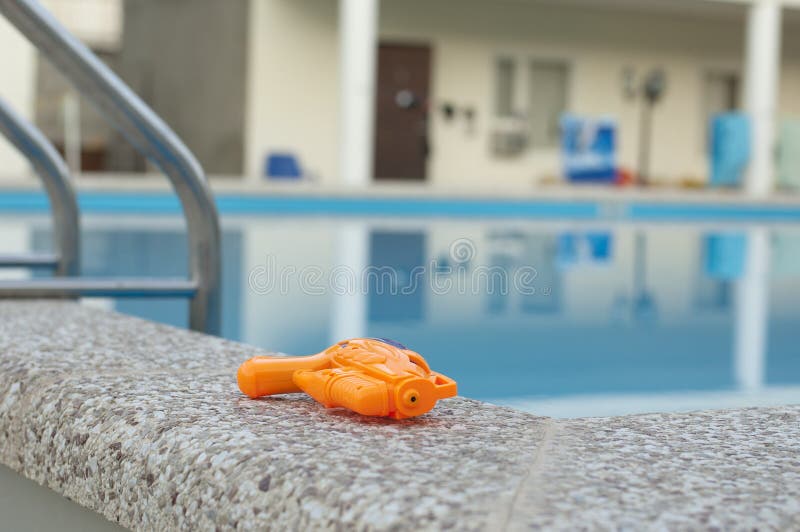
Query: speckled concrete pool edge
column 143, row 423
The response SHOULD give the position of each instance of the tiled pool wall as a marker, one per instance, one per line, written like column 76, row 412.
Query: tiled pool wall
column 610, row 205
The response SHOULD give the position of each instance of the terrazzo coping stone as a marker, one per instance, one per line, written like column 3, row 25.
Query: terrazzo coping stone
column 144, row 424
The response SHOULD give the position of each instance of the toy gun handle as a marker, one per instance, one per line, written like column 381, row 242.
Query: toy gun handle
column 262, row 376
column 334, row 388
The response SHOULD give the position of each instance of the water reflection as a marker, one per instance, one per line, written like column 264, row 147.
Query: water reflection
column 398, row 277
column 564, row 319
column 349, row 308
column 752, row 288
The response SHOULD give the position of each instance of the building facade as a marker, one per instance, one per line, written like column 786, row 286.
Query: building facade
column 515, row 64
column 447, row 92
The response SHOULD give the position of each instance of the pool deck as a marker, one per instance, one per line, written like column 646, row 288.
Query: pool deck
column 144, row 424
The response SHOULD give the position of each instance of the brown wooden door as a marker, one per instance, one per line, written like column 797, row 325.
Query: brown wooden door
column 401, row 124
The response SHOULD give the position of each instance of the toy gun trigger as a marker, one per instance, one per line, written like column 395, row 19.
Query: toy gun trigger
column 262, row 375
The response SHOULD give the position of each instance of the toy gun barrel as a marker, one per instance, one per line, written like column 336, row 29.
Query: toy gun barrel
column 262, row 375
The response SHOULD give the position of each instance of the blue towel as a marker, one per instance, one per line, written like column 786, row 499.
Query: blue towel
column 730, row 148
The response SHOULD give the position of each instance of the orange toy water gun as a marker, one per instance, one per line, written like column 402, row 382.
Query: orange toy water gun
column 371, row 376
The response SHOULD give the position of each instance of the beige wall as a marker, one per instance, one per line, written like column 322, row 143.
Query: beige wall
column 466, row 37
column 98, row 23
column 292, row 87
column 16, row 88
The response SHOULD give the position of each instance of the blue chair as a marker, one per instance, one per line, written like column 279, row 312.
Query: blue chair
column 282, row 166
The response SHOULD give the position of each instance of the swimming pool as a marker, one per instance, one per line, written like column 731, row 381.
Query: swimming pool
column 564, row 315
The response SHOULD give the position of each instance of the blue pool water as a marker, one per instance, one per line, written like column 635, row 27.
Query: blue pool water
column 585, row 316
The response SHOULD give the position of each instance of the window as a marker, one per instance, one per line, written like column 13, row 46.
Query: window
column 505, row 76
column 530, row 97
column 86, row 126
column 722, row 92
column 548, row 101
column 721, row 95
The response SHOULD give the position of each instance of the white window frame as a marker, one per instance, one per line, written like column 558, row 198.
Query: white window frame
column 522, row 96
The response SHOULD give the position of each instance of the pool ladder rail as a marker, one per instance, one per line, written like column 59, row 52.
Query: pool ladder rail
column 146, row 132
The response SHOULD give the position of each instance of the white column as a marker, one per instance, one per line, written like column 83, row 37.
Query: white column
column 752, row 310
column 761, row 91
column 358, row 27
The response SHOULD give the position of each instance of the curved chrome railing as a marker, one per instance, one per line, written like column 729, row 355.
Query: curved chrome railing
column 150, row 136
column 52, row 170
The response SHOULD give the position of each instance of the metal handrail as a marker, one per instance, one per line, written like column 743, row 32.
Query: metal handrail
column 151, row 137
column 32, row 260
column 52, row 170
column 112, row 287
